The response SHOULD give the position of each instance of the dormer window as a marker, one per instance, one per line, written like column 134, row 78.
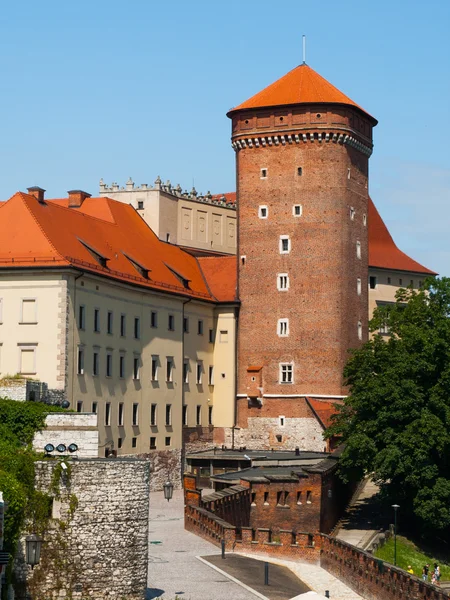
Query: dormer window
column 102, row 260
column 183, row 280
column 143, row 271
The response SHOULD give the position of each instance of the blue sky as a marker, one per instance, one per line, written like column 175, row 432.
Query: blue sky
column 113, row 88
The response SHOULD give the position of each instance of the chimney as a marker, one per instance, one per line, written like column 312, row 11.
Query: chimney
column 37, row 192
column 77, row 197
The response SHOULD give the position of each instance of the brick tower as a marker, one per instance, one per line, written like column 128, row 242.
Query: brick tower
column 302, row 152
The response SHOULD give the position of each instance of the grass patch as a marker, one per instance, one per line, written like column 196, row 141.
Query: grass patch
column 409, row 554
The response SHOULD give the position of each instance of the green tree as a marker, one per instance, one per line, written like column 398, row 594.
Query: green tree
column 396, row 421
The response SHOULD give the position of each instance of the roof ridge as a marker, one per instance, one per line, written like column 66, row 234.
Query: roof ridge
column 204, row 278
column 25, row 198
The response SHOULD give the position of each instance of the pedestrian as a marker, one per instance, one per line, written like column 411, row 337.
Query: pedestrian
column 433, row 578
column 437, row 572
column 410, row 570
column 425, row 572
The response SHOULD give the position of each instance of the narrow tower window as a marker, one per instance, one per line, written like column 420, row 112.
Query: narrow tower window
column 352, row 213
column 297, row 210
column 263, row 212
column 283, row 327
column 364, row 220
column 285, row 244
column 299, row 171
column 263, row 173
column 358, row 249
column 283, row 282
column 359, row 330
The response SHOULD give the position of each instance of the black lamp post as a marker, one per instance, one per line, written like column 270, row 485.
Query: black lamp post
column 168, row 490
column 33, row 549
column 395, row 507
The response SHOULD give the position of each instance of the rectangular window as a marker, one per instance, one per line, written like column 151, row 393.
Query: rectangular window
column 400, row 281
column 185, row 413
column 95, row 407
column 153, row 319
column 299, row 497
column 155, row 361
column 211, row 336
column 263, row 212
column 266, row 498
column 152, row 443
column 200, row 327
column 171, row 323
column 186, row 324
column 210, row 415
column 297, row 210
column 153, row 414
column 308, row 497
column 358, row 286
column 137, row 328
column 120, row 414
column 281, row 420
column 352, row 213
column 80, row 406
column 95, row 360
column 420, row 284
column 121, row 366
column 123, row 325
column 109, row 322
column 168, row 415
column 280, row 498
column 186, row 370
column 80, row 362
column 169, row 369
column 283, row 327
column 411, row 283
column 136, row 363
column 283, row 282
column 134, row 442
column 286, row 373
column 28, row 313
column 358, row 249
column 299, row 171
column 198, row 415
column 96, row 320
column 223, row 336
column 389, row 280
column 108, row 414
column 119, row 442
column 372, row 282
column 81, row 316
column 167, row 441
column 211, row 375
column 263, row 173
column 135, row 414
column 109, row 365
column 199, row 372
column 285, row 244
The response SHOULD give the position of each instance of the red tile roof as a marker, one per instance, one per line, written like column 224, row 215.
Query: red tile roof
column 323, row 410
column 302, row 85
column 221, row 274
column 49, row 234
column 383, row 253
column 230, row 197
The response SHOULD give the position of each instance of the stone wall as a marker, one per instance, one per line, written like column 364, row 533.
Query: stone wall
column 70, row 428
column 22, row 389
column 164, row 465
column 97, row 541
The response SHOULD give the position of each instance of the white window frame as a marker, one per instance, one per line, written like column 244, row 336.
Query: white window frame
column 31, row 346
column 289, row 369
column 262, row 175
column 261, row 208
column 300, row 206
column 359, row 330
column 283, row 328
column 358, row 249
column 34, row 321
column 279, row 281
column 352, row 213
column 282, row 239
column 358, row 286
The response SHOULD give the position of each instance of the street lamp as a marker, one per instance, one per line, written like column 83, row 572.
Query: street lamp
column 168, row 490
column 395, row 507
column 33, row 549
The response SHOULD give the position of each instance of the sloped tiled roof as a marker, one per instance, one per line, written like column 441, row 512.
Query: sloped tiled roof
column 221, row 274
column 323, row 410
column 50, row 234
column 302, row 85
column 383, row 252
column 230, row 197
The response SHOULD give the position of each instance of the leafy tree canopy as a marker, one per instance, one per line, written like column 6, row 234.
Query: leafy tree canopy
column 396, row 420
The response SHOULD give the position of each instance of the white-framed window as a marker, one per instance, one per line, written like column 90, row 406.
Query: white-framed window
column 28, row 311
column 282, row 282
column 352, row 213
column 109, row 360
column 358, row 286
column 285, row 244
column 169, row 369
column 136, row 367
column 186, row 370
column 283, row 327
column 108, row 414
column 286, row 373
column 359, row 330
column 80, row 361
column 281, row 421
column 264, row 173
column 211, row 375
column 155, row 364
column 364, row 220
column 198, row 415
column 122, row 366
column 120, row 414
column 297, row 210
column 199, row 372
column 135, row 414
column 153, row 414
column 358, row 249
column 263, row 212
column 27, row 358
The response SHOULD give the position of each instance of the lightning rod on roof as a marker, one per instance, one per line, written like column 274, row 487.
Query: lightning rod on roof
column 304, row 49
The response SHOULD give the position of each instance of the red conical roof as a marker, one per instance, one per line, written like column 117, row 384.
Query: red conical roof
column 302, row 85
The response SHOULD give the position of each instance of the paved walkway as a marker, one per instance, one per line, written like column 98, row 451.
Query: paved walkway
column 363, row 519
column 175, row 569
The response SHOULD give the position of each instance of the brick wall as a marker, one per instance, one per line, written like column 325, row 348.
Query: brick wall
column 230, row 504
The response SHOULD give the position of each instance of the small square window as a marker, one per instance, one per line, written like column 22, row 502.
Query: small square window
column 133, row 442
column 152, row 443
column 297, row 210
column 263, row 212
column 140, row 204
column 200, row 327
column 171, row 323
column 263, row 173
column 167, row 441
column 153, row 319
column 223, row 336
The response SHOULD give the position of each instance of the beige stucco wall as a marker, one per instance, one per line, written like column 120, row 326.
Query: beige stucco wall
column 225, row 367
